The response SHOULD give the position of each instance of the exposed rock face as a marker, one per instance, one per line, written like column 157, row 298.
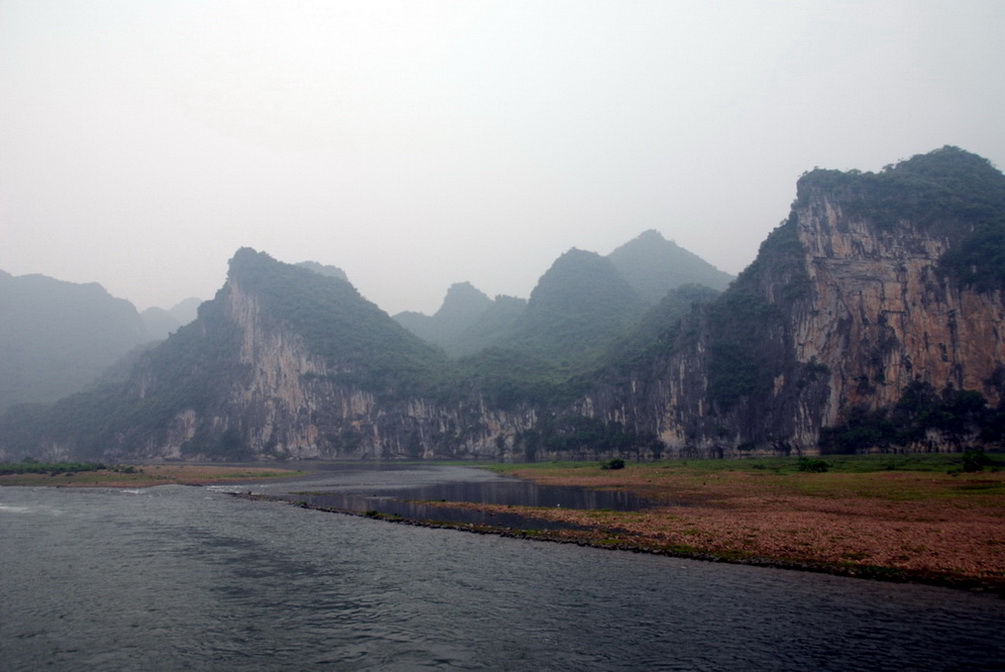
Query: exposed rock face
column 883, row 315
column 842, row 309
column 862, row 291
column 274, row 396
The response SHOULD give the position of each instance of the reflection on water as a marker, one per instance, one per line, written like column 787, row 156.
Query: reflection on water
column 183, row 578
column 405, row 492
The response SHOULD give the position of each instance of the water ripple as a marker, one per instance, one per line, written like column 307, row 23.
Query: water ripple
column 187, row 578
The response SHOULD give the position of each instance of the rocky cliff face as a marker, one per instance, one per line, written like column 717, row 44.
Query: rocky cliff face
column 269, row 394
column 844, row 307
column 292, row 405
column 874, row 283
column 882, row 314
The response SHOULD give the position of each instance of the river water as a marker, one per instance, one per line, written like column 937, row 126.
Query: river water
column 187, row 578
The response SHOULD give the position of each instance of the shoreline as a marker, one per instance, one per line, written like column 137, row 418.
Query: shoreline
column 913, row 520
column 149, row 475
column 583, row 538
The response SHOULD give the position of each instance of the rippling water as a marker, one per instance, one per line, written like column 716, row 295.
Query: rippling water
column 183, row 578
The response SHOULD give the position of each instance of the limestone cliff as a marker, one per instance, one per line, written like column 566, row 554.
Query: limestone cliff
column 296, row 403
column 874, row 284
column 849, row 301
column 283, row 363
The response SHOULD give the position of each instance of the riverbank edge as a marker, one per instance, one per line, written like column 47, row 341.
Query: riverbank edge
column 174, row 474
column 868, row 572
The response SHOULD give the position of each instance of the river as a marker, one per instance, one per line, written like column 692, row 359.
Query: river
column 190, row 578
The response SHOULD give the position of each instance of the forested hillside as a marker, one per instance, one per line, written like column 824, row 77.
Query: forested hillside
column 872, row 319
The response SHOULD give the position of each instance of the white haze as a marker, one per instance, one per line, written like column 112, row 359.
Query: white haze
column 419, row 143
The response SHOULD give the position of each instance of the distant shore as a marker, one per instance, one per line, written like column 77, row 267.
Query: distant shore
column 142, row 476
column 896, row 518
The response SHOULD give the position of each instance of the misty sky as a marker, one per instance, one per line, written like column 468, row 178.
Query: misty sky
column 420, row 143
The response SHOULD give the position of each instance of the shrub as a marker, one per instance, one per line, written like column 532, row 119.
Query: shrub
column 813, row 465
column 616, row 463
column 975, row 460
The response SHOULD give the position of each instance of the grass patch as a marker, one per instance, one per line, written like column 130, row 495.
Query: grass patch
column 899, row 514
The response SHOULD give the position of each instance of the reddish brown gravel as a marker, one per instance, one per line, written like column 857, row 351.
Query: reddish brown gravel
column 910, row 525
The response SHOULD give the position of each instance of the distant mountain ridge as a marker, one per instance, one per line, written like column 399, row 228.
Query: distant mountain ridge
column 461, row 308
column 159, row 323
column 56, row 337
column 582, row 298
column 872, row 319
column 653, row 266
column 578, row 308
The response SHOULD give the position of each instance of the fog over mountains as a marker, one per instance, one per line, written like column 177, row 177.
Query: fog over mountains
column 871, row 319
column 58, row 337
column 580, row 304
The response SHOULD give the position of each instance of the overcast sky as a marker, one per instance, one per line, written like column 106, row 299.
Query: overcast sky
column 418, row 143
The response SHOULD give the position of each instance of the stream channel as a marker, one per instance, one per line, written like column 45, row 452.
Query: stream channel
column 408, row 490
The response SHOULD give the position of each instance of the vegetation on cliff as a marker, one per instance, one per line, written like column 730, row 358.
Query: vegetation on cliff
column 582, row 369
column 579, row 307
column 924, row 419
column 361, row 343
column 957, row 194
column 749, row 326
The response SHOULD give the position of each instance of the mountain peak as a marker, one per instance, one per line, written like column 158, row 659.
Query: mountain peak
column 653, row 265
column 650, row 236
column 324, row 269
column 463, row 303
column 577, row 308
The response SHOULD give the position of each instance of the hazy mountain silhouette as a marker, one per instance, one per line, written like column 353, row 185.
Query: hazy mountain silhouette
column 468, row 321
column 159, row 323
column 461, row 308
column 187, row 310
column 653, row 266
column 579, row 306
column 56, row 337
column 835, row 339
column 492, row 327
column 324, row 269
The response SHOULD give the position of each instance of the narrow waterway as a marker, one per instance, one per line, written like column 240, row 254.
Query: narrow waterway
column 187, row 578
column 417, row 492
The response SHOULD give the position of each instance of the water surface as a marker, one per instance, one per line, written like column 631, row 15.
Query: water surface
column 409, row 490
column 186, row 578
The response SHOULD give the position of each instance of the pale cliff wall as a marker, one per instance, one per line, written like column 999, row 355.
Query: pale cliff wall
column 849, row 301
column 837, row 311
column 289, row 403
column 883, row 315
